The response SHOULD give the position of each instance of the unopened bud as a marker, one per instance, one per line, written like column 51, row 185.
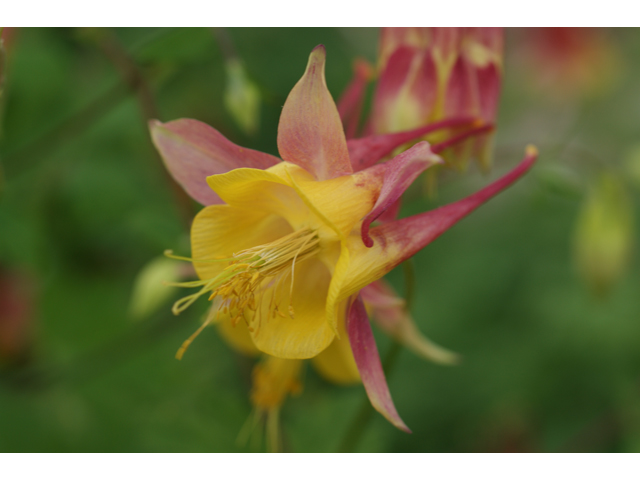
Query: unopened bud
column 604, row 234
column 150, row 291
column 241, row 97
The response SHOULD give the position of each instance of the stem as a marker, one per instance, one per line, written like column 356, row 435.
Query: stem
column 133, row 76
column 365, row 411
column 131, row 73
column 71, row 128
column 2, row 70
column 225, row 43
column 133, row 81
column 357, row 427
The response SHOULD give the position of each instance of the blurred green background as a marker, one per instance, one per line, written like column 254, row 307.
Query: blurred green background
column 550, row 361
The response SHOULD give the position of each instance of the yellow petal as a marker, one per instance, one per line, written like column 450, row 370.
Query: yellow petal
column 219, row 231
column 333, row 206
column 303, row 334
column 336, row 363
column 358, row 267
column 341, row 202
column 260, row 190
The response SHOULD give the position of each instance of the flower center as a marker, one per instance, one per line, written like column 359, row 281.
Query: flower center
column 250, row 275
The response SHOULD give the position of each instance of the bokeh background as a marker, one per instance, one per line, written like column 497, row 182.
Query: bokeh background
column 539, row 290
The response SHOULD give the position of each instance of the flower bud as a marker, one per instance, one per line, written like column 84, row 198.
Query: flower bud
column 604, row 234
column 150, row 291
column 241, row 97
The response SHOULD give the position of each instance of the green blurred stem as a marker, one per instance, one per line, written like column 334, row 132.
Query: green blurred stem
column 2, row 69
column 133, row 81
column 365, row 412
column 107, row 41
column 225, row 43
column 75, row 125
column 71, row 128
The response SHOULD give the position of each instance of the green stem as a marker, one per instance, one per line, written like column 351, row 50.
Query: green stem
column 357, row 427
column 68, row 129
column 409, row 271
column 365, row 411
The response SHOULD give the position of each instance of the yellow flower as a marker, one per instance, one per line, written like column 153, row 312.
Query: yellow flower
column 284, row 247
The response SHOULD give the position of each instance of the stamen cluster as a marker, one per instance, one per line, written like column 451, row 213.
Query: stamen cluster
column 242, row 285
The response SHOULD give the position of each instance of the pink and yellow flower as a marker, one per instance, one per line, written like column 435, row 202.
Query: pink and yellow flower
column 284, row 247
column 428, row 75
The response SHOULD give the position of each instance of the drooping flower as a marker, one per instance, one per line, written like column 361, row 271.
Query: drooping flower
column 427, row 75
column 285, row 247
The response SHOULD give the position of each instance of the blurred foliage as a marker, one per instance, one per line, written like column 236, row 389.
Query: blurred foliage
column 86, row 204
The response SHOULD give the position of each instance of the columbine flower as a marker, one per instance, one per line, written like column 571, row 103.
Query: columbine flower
column 284, row 247
column 431, row 74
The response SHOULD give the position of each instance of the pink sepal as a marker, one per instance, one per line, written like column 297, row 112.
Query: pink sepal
column 408, row 83
column 380, row 297
column 389, row 312
column 193, row 150
column 368, row 151
column 462, row 97
column 310, row 132
column 489, row 82
column 365, row 353
column 414, row 233
column 400, row 172
column 391, row 213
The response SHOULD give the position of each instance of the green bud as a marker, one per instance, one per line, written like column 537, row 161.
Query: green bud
column 149, row 289
column 241, row 97
column 604, row 234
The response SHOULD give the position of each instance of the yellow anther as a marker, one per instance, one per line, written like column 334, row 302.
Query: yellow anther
column 251, row 272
